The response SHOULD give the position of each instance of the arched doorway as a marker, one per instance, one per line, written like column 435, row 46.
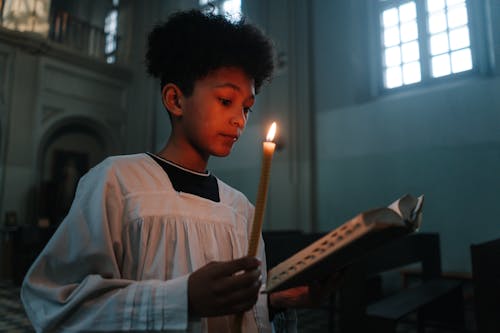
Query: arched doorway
column 69, row 149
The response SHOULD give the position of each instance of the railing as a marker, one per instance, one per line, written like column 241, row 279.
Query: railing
column 78, row 35
column 65, row 29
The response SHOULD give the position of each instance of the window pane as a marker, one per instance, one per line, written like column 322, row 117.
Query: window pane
column 110, row 38
column 437, row 22
column 392, row 56
column 439, row 43
column 459, row 38
column 390, row 17
column 441, row 65
column 110, row 29
column 457, row 16
column 391, row 36
column 110, row 22
column 433, row 5
column 410, row 52
column 110, row 47
column 411, row 72
column 461, row 60
column 407, row 12
column 409, row 31
column 393, row 77
column 232, row 8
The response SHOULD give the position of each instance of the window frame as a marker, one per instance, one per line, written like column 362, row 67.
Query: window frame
column 479, row 45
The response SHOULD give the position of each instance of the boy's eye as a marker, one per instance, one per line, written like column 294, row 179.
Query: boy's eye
column 225, row 102
column 228, row 102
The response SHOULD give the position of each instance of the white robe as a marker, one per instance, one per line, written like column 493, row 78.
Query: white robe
column 121, row 258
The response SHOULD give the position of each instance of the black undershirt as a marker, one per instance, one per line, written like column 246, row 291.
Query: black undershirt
column 182, row 180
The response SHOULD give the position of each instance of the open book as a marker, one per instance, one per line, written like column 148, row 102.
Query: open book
column 347, row 243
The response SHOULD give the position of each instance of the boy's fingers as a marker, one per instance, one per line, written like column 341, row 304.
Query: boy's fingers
column 243, row 296
column 241, row 281
column 237, row 265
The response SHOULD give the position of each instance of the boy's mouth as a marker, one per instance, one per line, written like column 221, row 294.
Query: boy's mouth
column 231, row 136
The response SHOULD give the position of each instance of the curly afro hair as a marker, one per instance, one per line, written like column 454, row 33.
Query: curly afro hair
column 191, row 44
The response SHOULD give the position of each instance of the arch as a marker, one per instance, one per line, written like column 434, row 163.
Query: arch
column 76, row 137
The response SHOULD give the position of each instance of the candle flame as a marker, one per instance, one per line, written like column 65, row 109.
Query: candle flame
column 271, row 132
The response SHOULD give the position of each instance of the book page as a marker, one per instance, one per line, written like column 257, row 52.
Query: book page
column 409, row 208
column 382, row 215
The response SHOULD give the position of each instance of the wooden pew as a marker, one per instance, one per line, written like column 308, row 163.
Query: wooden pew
column 485, row 259
column 435, row 300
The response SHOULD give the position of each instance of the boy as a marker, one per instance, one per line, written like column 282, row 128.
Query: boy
column 154, row 241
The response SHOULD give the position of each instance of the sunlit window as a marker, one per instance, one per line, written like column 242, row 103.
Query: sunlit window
column 416, row 48
column 111, row 33
column 449, row 37
column 400, row 41
column 26, row 15
column 230, row 8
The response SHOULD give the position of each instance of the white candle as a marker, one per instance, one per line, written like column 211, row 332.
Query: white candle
column 260, row 205
column 268, row 148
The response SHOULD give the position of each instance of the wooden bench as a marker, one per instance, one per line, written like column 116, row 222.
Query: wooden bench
column 408, row 275
column 435, row 300
column 386, row 313
column 485, row 259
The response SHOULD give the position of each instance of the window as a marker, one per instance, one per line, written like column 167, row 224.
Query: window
column 25, row 15
column 1, row 11
column 230, row 8
column 111, row 33
column 423, row 39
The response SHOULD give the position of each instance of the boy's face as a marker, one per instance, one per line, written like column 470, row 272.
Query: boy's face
column 215, row 114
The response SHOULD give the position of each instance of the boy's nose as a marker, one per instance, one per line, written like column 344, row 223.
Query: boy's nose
column 239, row 119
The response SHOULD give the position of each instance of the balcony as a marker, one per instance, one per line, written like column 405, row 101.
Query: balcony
column 61, row 27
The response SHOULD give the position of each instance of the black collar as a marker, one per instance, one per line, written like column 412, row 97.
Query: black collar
column 184, row 180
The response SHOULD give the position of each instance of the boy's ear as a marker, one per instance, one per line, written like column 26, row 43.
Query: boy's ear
column 172, row 97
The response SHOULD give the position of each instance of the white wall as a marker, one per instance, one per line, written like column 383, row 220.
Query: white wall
column 442, row 140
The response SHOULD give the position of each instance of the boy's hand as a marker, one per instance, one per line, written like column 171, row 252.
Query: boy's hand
column 221, row 288
column 310, row 296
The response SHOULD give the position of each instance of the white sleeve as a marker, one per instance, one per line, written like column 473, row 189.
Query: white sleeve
column 76, row 283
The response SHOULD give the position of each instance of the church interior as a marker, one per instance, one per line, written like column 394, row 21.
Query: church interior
column 374, row 99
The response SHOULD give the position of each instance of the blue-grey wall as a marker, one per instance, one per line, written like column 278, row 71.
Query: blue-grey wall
column 441, row 140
